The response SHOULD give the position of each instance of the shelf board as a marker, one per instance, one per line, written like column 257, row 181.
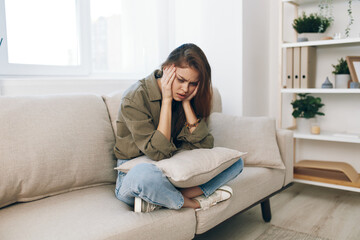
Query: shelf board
column 301, row 2
column 329, row 136
column 338, row 173
column 320, row 90
column 328, row 185
column 322, row 42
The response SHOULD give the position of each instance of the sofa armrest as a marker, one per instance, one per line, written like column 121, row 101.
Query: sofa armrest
column 285, row 142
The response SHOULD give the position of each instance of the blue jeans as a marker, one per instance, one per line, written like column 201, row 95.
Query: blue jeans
column 147, row 181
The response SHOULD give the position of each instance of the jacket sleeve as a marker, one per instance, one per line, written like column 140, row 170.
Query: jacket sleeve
column 199, row 138
column 147, row 138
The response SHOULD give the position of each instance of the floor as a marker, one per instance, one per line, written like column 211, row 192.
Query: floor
column 319, row 211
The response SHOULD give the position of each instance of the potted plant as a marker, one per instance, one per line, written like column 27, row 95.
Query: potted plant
column 326, row 7
column 312, row 27
column 306, row 107
column 342, row 74
column 351, row 19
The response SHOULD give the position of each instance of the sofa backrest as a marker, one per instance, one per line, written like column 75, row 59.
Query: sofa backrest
column 53, row 144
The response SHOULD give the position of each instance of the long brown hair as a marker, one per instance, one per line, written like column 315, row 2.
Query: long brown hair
column 190, row 55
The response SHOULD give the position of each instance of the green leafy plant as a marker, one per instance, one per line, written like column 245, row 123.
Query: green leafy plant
column 351, row 18
column 306, row 106
column 311, row 24
column 326, row 10
column 341, row 68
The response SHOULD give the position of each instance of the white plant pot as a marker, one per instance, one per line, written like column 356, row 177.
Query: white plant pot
column 303, row 125
column 341, row 80
column 310, row 36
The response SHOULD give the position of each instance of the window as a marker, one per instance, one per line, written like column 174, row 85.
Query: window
column 128, row 36
column 119, row 38
column 41, row 37
column 42, row 24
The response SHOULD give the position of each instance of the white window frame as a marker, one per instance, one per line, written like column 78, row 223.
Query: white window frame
column 83, row 69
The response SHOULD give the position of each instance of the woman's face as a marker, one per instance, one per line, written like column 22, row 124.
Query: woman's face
column 185, row 83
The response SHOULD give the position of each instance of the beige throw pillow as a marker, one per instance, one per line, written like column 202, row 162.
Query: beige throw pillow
column 255, row 135
column 190, row 168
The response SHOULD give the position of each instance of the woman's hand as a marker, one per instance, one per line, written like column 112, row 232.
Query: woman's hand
column 189, row 111
column 191, row 96
column 166, row 90
column 167, row 81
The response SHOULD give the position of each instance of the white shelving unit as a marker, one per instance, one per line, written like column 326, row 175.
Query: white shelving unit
column 329, row 185
column 334, row 174
column 302, row 2
column 321, row 90
column 330, row 136
column 346, row 41
column 298, row 2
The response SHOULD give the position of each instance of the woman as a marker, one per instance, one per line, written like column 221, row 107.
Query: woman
column 159, row 115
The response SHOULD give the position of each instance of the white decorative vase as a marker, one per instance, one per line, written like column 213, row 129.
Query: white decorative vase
column 310, row 36
column 303, row 125
column 341, row 80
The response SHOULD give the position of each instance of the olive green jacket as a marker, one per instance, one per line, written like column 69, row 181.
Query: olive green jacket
column 138, row 120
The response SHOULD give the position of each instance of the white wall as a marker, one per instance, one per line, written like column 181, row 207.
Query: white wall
column 256, row 44
column 215, row 26
column 274, row 60
column 235, row 36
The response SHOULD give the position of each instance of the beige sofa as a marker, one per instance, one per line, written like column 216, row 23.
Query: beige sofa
column 57, row 177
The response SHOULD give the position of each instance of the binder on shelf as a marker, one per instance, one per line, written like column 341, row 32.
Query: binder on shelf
column 289, row 67
column 307, row 67
column 297, row 56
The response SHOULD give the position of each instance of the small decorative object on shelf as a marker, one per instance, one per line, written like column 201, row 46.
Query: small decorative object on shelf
column 315, row 127
column 327, row 38
column 337, row 36
column 354, row 85
column 327, row 83
column 342, row 74
column 310, row 28
column 305, row 108
column 354, row 67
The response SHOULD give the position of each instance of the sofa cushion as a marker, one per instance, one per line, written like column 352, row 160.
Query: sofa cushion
column 92, row 213
column 252, row 185
column 113, row 100
column 254, row 135
column 190, row 168
column 53, row 144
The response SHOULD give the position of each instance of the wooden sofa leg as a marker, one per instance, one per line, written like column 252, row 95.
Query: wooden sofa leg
column 266, row 210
